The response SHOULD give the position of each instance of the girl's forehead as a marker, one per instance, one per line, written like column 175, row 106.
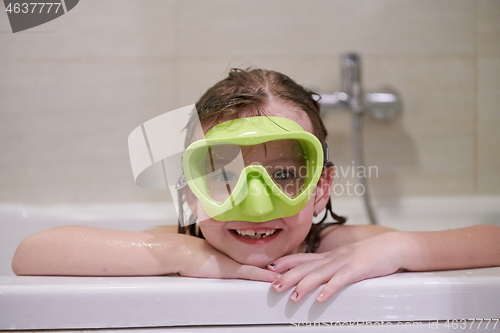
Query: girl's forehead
column 291, row 112
column 273, row 109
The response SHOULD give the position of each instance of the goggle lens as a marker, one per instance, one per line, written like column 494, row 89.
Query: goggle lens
column 284, row 162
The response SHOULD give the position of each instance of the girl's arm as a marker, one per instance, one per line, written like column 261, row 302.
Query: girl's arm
column 475, row 246
column 87, row 251
column 384, row 254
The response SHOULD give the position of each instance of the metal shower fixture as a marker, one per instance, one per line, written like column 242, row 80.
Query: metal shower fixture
column 383, row 105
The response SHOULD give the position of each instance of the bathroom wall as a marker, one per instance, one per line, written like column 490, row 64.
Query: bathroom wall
column 71, row 90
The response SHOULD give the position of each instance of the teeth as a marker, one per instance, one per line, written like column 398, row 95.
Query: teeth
column 254, row 234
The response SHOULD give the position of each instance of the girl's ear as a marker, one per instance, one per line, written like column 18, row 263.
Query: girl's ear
column 323, row 189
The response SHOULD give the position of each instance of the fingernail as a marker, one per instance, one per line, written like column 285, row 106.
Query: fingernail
column 277, row 285
column 320, row 297
column 294, row 295
column 271, row 265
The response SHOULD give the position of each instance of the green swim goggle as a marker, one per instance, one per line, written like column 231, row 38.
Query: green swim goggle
column 254, row 169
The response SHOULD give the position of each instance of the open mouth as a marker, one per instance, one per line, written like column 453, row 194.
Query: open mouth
column 255, row 234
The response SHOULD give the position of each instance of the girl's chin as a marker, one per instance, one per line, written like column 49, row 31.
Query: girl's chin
column 255, row 259
column 261, row 262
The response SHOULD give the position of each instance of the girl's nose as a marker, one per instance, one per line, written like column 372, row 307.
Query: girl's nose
column 258, row 201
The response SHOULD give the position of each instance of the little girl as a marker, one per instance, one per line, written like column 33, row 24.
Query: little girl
column 255, row 178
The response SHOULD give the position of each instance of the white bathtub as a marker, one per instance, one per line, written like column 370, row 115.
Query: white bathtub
column 430, row 301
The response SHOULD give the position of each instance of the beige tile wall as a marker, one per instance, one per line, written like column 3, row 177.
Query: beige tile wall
column 71, row 90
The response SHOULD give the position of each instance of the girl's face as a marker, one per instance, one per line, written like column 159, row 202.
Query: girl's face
column 259, row 244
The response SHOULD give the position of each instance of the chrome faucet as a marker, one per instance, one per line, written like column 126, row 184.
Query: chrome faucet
column 350, row 82
column 383, row 105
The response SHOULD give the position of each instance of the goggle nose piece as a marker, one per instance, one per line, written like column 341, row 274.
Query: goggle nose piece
column 258, row 202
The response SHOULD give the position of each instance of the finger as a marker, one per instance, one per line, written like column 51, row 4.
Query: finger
column 344, row 277
column 248, row 272
column 296, row 274
column 285, row 263
column 314, row 279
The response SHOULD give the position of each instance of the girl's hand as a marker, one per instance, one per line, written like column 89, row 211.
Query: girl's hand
column 201, row 260
column 376, row 256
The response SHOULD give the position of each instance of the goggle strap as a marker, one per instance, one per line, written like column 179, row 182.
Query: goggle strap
column 326, row 156
column 181, row 182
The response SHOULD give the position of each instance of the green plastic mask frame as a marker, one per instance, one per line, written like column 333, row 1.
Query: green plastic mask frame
column 255, row 199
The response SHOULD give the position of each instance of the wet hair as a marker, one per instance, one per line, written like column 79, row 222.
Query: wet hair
column 250, row 91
